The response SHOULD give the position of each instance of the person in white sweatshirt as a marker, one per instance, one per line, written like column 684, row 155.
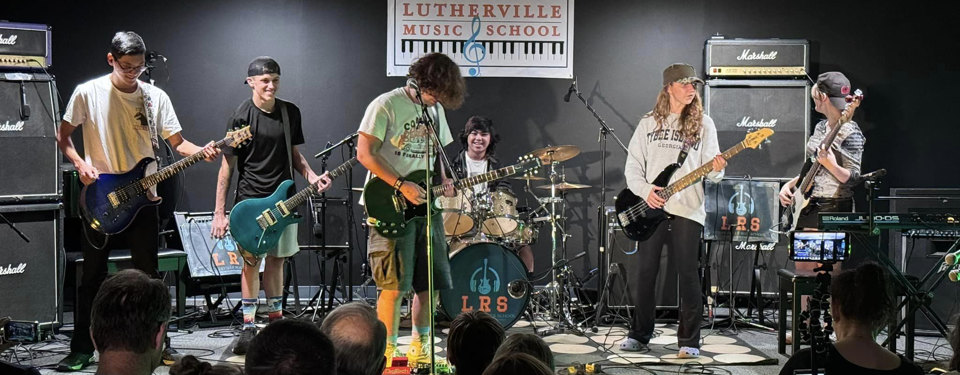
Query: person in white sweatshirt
column 676, row 124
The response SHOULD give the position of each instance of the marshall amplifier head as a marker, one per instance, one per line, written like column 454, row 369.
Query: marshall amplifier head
column 756, row 57
column 25, row 46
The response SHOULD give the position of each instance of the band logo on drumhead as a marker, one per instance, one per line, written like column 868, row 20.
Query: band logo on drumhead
column 480, row 281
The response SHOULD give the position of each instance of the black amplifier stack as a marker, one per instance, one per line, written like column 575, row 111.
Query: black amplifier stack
column 31, row 268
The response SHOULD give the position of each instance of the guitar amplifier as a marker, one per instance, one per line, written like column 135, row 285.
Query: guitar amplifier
column 756, row 57
column 29, row 156
column 25, row 45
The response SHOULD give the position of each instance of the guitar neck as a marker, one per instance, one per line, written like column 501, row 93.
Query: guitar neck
column 172, row 169
column 480, row 178
column 304, row 194
column 827, row 144
column 698, row 173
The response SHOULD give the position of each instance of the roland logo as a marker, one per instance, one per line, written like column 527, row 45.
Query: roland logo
column 748, row 55
column 14, row 127
column 11, row 270
column 748, row 122
column 9, row 41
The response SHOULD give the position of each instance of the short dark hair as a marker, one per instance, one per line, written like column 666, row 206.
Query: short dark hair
column 440, row 76
column 527, row 343
column 481, row 124
column 127, row 43
column 862, row 294
column 359, row 339
column 290, row 347
column 190, row 365
column 517, row 363
column 128, row 311
column 473, row 341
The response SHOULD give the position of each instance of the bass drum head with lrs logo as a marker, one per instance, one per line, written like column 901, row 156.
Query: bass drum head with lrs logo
column 490, row 278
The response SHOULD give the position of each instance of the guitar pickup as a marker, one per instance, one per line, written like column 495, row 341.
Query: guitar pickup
column 399, row 203
column 114, row 199
column 284, row 211
column 266, row 219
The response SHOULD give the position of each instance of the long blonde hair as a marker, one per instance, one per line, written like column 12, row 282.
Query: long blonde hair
column 691, row 118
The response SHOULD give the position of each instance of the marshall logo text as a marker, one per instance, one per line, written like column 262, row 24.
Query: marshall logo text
column 10, row 40
column 8, row 127
column 747, row 55
column 11, row 270
column 747, row 122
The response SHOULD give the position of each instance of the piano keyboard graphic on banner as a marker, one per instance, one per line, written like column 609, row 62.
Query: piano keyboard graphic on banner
column 505, row 38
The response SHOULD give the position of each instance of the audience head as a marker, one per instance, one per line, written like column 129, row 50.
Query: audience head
column 473, row 340
column 129, row 314
column 527, row 343
column 954, row 364
column 190, row 365
column 359, row 339
column 861, row 296
column 517, row 363
column 290, row 347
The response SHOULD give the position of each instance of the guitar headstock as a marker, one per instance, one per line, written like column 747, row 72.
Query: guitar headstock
column 239, row 136
column 853, row 101
column 753, row 139
column 528, row 165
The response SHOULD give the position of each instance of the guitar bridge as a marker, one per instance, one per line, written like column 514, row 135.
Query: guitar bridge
column 624, row 220
column 266, row 219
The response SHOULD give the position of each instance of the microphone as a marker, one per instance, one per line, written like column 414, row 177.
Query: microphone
column 571, row 90
column 875, row 175
column 24, row 107
column 334, row 146
column 151, row 56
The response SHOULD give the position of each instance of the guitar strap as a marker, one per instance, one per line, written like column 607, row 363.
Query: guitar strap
column 687, row 143
column 152, row 124
column 285, row 117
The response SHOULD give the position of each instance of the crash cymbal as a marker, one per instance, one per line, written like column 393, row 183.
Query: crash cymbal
column 529, row 178
column 563, row 186
column 556, row 153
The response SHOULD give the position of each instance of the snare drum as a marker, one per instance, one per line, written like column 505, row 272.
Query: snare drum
column 457, row 212
column 501, row 218
column 489, row 278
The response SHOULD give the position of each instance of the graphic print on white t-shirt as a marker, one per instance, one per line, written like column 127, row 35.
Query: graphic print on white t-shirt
column 474, row 168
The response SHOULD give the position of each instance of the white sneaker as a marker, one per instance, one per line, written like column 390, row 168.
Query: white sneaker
column 687, row 352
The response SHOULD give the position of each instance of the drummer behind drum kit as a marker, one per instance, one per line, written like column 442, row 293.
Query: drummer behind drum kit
column 486, row 229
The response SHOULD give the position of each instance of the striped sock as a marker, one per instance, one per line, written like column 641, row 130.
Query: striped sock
column 249, row 307
column 275, row 308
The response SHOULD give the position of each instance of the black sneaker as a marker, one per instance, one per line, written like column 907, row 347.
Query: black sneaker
column 243, row 341
column 75, row 362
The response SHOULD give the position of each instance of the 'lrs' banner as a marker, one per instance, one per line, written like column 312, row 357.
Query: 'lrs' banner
column 491, row 38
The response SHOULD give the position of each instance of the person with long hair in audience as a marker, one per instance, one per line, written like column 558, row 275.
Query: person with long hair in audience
column 861, row 303
column 527, row 343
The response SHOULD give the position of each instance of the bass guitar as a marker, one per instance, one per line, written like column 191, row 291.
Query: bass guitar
column 802, row 190
column 256, row 224
column 110, row 203
column 388, row 211
column 639, row 220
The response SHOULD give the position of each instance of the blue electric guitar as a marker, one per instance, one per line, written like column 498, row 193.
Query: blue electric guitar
column 110, row 203
column 256, row 224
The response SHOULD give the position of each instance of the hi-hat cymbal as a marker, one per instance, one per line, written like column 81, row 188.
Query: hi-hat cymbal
column 563, row 186
column 556, row 153
column 529, row 178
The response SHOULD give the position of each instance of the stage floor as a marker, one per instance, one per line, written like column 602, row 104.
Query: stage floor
column 728, row 346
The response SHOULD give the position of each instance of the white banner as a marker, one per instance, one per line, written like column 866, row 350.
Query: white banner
column 487, row 38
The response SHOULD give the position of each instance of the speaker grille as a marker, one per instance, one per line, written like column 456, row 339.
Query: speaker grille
column 30, row 272
column 28, row 147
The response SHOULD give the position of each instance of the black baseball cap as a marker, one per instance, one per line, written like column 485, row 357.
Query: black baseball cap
column 836, row 86
column 262, row 65
column 682, row 73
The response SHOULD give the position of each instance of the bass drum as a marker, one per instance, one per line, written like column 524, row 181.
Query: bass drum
column 489, row 278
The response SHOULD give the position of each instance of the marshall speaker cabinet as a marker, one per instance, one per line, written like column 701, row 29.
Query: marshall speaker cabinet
column 772, row 58
column 31, row 272
column 29, row 158
column 741, row 106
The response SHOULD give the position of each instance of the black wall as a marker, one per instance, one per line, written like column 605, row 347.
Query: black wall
column 333, row 58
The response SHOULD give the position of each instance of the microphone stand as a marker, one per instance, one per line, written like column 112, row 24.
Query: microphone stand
column 602, row 138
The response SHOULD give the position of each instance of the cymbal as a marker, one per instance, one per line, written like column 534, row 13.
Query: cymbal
column 556, row 153
column 563, row 186
column 529, row 178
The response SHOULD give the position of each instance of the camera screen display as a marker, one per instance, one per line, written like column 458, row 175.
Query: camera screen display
column 819, row 246
column 19, row 331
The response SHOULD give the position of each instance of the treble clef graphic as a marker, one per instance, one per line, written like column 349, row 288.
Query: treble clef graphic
column 474, row 51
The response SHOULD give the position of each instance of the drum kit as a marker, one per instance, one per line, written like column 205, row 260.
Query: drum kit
column 486, row 230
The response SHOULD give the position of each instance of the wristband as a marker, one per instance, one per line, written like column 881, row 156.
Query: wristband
column 396, row 185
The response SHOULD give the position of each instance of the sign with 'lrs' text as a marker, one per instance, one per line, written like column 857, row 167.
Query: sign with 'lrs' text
column 487, row 38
